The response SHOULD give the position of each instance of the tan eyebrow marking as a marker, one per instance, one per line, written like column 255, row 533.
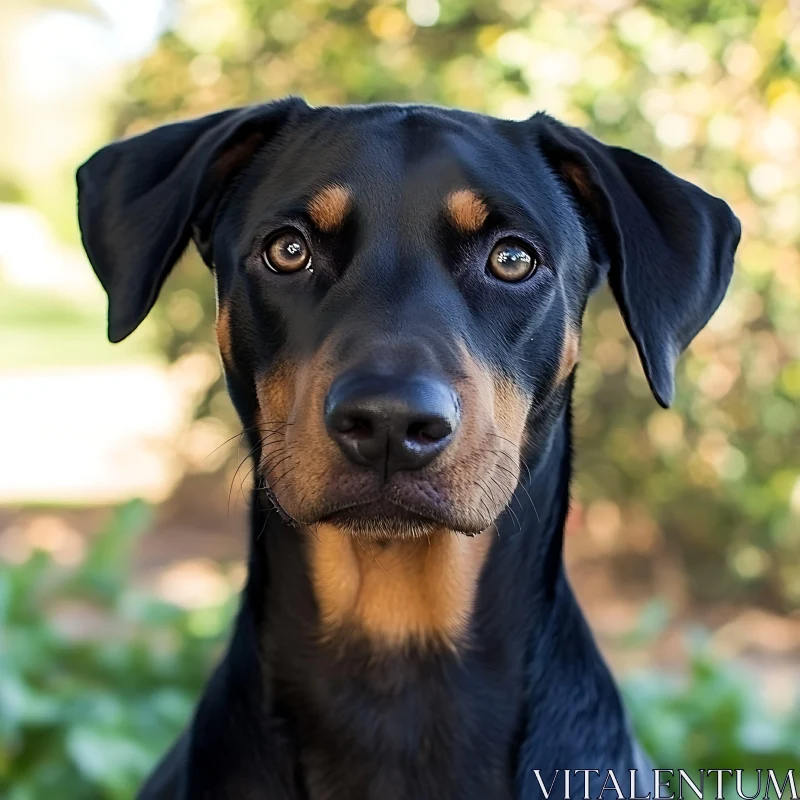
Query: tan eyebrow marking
column 329, row 207
column 467, row 211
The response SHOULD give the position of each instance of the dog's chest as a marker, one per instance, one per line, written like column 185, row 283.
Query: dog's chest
column 412, row 727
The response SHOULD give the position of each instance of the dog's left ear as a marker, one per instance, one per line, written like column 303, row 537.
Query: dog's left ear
column 141, row 200
column 668, row 245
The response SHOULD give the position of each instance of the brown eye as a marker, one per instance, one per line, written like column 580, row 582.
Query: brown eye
column 287, row 252
column 511, row 261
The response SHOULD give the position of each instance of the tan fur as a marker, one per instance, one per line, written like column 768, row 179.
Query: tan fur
column 466, row 210
column 329, row 207
column 502, row 433
column 224, row 335
column 569, row 354
column 511, row 409
column 393, row 586
column 276, row 392
column 404, row 590
column 298, row 457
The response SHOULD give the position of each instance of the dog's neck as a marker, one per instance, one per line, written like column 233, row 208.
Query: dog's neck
column 360, row 713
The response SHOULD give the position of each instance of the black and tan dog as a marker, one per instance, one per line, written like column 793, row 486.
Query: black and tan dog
column 400, row 292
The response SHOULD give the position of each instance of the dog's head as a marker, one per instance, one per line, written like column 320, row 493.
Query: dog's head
column 401, row 288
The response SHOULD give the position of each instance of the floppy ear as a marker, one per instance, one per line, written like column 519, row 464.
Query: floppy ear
column 668, row 245
column 141, row 199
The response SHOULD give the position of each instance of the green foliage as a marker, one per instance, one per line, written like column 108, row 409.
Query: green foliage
column 710, row 718
column 85, row 714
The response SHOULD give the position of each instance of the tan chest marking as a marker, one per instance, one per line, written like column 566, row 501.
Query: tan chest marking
column 422, row 589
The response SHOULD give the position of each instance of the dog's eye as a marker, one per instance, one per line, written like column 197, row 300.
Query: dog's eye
column 287, row 252
column 511, row 261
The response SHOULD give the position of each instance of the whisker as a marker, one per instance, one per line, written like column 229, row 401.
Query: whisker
column 288, row 472
column 521, row 485
column 375, row 559
column 315, row 533
column 235, row 435
column 272, row 467
column 233, row 479
column 516, row 518
column 241, row 487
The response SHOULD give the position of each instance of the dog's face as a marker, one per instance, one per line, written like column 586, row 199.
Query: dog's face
column 400, row 289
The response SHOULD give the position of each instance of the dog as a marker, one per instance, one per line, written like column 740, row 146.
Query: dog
column 400, row 291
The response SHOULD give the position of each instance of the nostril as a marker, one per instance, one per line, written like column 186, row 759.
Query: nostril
column 428, row 431
column 356, row 427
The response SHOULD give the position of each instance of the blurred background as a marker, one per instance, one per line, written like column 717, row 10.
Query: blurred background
column 122, row 485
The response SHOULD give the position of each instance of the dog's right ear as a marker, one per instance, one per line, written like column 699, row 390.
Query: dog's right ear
column 140, row 200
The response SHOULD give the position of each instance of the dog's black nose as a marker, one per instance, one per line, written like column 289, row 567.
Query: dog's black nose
column 391, row 423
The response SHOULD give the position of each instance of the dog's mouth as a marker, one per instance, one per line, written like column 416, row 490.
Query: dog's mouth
column 359, row 504
column 381, row 518
column 409, row 505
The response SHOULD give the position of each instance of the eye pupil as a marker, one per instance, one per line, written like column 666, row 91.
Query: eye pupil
column 287, row 252
column 511, row 261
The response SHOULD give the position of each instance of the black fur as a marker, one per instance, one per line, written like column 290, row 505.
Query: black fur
column 287, row 716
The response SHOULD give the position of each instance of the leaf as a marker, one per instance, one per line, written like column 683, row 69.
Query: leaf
column 108, row 758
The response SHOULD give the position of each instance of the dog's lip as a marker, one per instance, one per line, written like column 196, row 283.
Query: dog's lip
column 378, row 505
column 386, row 508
